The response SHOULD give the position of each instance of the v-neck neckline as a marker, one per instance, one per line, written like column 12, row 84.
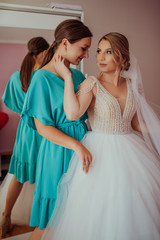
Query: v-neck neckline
column 115, row 99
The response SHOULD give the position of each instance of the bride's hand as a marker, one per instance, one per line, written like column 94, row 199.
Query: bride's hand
column 60, row 67
column 85, row 157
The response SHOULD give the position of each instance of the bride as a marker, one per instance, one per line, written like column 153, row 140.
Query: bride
column 115, row 195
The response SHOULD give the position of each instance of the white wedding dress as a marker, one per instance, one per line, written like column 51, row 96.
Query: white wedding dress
column 119, row 198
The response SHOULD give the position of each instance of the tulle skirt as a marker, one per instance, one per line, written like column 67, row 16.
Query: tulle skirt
column 118, row 199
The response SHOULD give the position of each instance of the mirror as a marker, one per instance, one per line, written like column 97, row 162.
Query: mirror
column 18, row 25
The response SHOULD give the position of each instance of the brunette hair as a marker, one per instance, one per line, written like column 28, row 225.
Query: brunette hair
column 35, row 46
column 73, row 30
column 120, row 47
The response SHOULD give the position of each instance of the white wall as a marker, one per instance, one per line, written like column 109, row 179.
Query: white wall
column 137, row 19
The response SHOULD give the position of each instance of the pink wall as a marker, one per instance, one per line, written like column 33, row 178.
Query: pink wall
column 10, row 61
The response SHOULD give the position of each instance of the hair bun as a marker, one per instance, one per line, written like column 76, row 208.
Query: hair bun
column 127, row 65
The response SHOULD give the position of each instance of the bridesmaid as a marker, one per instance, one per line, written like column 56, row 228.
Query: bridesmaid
column 43, row 110
column 24, row 157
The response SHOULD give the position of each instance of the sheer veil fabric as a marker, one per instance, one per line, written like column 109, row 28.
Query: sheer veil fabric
column 148, row 119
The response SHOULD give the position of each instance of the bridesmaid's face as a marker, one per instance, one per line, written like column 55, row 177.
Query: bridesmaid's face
column 75, row 52
column 104, row 57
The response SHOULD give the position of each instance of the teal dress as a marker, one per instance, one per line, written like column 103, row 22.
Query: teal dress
column 44, row 101
column 26, row 146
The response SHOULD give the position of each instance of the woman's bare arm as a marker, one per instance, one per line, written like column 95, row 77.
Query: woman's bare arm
column 135, row 123
column 74, row 106
column 137, row 126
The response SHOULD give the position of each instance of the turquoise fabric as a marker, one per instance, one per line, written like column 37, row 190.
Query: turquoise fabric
column 44, row 101
column 26, row 147
column 13, row 96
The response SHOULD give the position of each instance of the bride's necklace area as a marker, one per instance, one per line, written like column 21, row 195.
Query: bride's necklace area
column 112, row 88
column 104, row 81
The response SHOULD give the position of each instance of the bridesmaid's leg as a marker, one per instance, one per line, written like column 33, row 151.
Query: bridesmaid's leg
column 37, row 234
column 14, row 190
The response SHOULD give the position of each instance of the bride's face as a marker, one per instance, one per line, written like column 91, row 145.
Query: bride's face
column 105, row 59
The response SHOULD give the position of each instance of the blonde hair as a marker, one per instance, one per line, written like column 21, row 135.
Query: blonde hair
column 120, row 47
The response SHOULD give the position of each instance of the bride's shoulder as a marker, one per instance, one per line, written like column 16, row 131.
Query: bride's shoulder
column 88, row 81
column 86, row 86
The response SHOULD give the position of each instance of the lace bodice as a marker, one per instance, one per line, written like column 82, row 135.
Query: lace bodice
column 106, row 115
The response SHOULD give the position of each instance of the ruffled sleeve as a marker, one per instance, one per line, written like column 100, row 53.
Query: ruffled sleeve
column 86, row 86
column 13, row 96
column 39, row 102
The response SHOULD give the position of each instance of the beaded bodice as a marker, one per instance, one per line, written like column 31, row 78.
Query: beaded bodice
column 106, row 115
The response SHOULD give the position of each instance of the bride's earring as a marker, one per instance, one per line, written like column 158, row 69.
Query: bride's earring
column 115, row 73
column 122, row 70
column 121, row 73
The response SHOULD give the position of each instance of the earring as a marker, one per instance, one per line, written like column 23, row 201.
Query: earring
column 121, row 73
column 122, row 66
column 115, row 73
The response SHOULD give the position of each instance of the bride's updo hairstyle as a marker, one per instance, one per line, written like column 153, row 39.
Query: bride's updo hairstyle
column 120, row 47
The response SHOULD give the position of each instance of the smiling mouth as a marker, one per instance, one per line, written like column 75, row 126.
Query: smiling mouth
column 79, row 59
column 102, row 64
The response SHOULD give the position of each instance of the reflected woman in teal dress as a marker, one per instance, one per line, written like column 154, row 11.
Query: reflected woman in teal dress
column 43, row 110
column 26, row 147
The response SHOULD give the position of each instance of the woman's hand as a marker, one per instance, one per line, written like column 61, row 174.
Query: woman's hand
column 85, row 157
column 61, row 68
